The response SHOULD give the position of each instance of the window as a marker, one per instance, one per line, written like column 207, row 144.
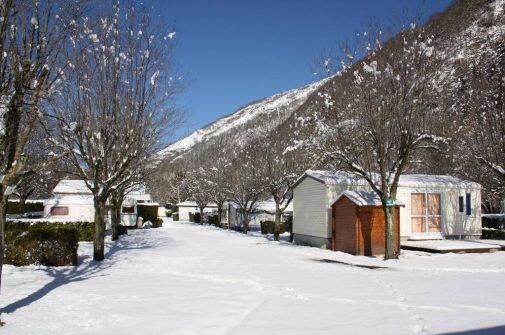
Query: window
column 468, row 204
column 59, row 210
column 425, row 212
column 461, row 204
column 128, row 209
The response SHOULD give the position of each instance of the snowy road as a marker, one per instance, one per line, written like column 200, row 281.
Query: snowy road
column 188, row 279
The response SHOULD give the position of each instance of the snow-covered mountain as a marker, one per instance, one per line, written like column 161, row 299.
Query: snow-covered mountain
column 262, row 115
column 466, row 31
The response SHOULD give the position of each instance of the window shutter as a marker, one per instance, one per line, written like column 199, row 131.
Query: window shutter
column 468, row 204
column 461, row 204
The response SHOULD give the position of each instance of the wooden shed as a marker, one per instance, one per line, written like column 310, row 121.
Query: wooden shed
column 359, row 225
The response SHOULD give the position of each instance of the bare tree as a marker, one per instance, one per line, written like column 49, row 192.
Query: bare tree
column 479, row 137
column 33, row 38
column 246, row 187
column 279, row 169
column 113, row 114
column 386, row 112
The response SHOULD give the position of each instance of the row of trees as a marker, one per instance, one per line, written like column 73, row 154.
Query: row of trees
column 398, row 109
column 94, row 78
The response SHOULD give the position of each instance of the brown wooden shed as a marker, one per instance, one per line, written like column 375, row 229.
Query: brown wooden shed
column 359, row 225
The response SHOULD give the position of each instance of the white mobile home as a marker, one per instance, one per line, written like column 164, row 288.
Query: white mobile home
column 263, row 211
column 189, row 206
column 435, row 206
column 73, row 201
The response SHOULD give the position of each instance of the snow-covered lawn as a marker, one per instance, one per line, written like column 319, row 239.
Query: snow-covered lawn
column 189, row 279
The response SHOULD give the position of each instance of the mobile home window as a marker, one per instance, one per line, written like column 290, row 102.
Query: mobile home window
column 461, row 204
column 59, row 210
column 128, row 209
column 426, row 213
column 468, row 204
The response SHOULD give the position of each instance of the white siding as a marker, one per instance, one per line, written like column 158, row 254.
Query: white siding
column 310, row 209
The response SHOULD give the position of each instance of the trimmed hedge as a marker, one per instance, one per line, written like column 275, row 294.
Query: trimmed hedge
column 147, row 212
column 14, row 207
column 175, row 216
column 195, row 217
column 267, row 227
column 41, row 244
column 158, row 223
column 493, row 234
column 85, row 230
column 214, row 219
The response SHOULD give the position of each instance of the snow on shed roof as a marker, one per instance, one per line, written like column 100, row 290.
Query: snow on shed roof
column 406, row 180
column 72, row 186
column 190, row 203
column 365, row 198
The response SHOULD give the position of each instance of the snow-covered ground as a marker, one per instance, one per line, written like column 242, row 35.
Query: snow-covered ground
column 189, row 279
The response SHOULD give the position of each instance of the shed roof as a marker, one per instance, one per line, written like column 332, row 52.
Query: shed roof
column 364, row 198
column 72, row 186
column 406, row 180
column 190, row 203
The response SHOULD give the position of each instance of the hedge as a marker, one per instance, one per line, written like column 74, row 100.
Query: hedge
column 147, row 213
column 41, row 244
column 267, row 227
column 493, row 234
column 214, row 219
column 14, row 207
column 85, row 230
column 175, row 216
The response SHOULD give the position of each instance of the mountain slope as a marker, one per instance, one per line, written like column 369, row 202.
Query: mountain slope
column 262, row 115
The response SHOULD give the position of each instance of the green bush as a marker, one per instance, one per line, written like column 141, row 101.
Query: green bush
column 267, row 227
column 493, row 234
column 148, row 212
column 85, row 230
column 175, row 216
column 41, row 244
column 214, row 219
column 191, row 217
column 14, row 207
column 198, row 218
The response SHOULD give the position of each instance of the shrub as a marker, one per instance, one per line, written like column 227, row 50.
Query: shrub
column 198, row 218
column 493, row 234
column 214, row 219
column 14, row 207
column 147, row 212
column 85, row 230
column 42, row 244
column 267, row 227
column 175, row 216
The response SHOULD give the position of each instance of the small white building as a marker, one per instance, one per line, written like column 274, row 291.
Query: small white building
column 73, row 201
column 263, row 211
column 189, row 206
column 435, row 206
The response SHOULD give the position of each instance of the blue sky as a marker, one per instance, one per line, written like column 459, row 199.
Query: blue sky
column 234, row 52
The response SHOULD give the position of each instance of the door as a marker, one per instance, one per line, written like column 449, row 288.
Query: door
column 426, row 213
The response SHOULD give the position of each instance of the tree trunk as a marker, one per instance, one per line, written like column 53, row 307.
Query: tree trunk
column 391, row 248
column 22, row 204
column 219, row 216
column 3, row 212
column 245, row 222
column 277, row 224
column 201, row 215
column 115, row 221
column 99, row 239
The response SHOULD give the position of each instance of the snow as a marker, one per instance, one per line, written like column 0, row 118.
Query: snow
column 73, row 186
column 364, row 198
column 284, row 103
column 190, row 203
column 406, row 180
column 191, row 279
column 444, row 245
